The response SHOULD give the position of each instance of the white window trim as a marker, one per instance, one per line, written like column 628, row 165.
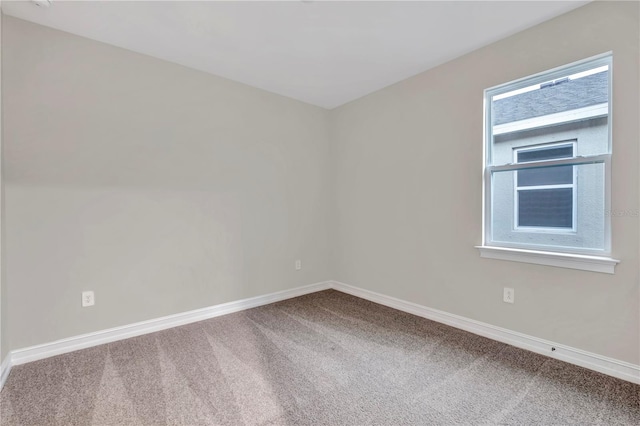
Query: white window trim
column 573, row 186
column 588, row 262
column 601, row 264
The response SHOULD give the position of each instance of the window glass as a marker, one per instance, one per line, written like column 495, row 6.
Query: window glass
column 548, row 159
column 546, row 208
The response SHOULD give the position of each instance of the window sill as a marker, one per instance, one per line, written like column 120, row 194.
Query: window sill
column 562, row 260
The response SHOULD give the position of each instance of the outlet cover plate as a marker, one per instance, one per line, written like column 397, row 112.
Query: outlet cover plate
column 88, row 299
column 508, row 295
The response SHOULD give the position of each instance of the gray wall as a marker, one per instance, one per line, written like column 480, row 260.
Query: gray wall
column 4, row 341
column 408, row 182
column 161, row 188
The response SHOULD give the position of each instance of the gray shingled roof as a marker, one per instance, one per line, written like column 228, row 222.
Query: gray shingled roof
column 565, row 96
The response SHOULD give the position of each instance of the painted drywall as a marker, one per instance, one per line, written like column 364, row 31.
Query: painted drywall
column 3, row 299
column 408, row 191
column 161, row 188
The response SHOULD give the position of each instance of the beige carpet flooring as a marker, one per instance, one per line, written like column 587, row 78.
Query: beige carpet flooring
column 321, row 359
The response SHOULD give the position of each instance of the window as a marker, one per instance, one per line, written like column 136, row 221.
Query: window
column 548, row 163
column 545, row 199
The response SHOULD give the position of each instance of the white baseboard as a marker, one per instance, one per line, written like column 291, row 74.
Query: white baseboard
column 609, row 366
column 612, row 367
column 5, row 369
column 88, row 340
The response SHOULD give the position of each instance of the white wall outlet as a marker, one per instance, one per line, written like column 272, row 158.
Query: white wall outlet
column 88, row 299
column 509, row 295
column 298, row 265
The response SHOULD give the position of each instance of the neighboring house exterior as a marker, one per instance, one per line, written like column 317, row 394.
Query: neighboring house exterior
column 564, row 205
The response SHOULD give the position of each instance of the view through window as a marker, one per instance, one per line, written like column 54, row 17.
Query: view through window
column 547, row 164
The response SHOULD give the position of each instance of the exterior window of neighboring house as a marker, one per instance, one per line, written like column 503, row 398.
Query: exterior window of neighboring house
column 545, row 198
column 548, row 161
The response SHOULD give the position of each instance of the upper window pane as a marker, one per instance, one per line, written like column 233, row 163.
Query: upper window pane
column 560, row 95
column 569, row 104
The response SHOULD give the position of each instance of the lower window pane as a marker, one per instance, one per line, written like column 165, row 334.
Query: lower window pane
column 544, row 217
column 548, row 208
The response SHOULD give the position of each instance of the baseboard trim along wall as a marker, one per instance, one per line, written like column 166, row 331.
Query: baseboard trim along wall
column 5, row 368
column 612, row 367
column 46, row 350
column 620, row 369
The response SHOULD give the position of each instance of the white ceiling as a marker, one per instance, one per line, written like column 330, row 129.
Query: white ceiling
column 323, row 53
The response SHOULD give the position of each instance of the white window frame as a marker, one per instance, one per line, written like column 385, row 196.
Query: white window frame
column 573, row 185
column 569, row 257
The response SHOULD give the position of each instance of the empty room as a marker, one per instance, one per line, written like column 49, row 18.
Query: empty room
column 320, row 213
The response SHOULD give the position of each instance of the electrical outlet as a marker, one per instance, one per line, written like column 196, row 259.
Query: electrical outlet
column 298, row 265
column 88, row 299
column 509, row 295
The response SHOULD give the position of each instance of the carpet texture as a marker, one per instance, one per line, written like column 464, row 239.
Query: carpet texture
column 322, row 359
